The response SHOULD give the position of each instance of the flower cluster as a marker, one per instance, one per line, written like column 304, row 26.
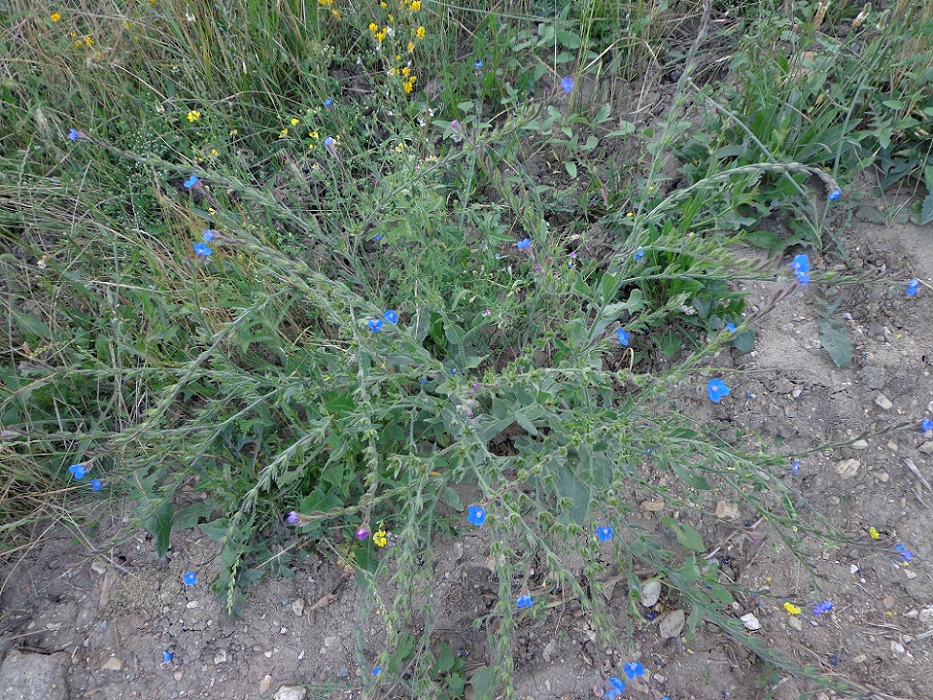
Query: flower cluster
column 375, row 324
column 201, row 248
column 821, row 608
column 926, row 425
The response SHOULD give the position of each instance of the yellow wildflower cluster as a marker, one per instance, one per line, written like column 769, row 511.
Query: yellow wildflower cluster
column 86, row 41
column 415, row 6
column 315, row 136
column 873, row 533
column 325, row 3
column 56, row 17
column 792, row 609
column 379, row 538
column 193, row 116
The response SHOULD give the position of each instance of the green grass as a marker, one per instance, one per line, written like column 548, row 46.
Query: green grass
column 252, row 374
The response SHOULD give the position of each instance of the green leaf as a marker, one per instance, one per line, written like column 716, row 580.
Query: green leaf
column 571, row 168
column 161, row 525
column 484, row 683
column 836, row 342
column 926, row 211
column 190, row 516
column 690, row 476
column 568, row 39
column 625, row 129
column 445, row 659
column 686, row 535
column 893, row 104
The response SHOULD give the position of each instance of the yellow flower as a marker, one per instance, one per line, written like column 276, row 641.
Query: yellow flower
column 325, row 3
column 283, row 133
column 193, row 116
column 791, row 608
column 398, row 57
column 420, row 33
column 383, row 4
column 294, row 122
column 405, row 71
column 408, row 86
column 313, row 134
column 415, row 6
column 380, row 36
column 379, row 538
column 55, row 17
column 873, row 533
column 335, row 13
column 373, row 27
column 411, row 46
column 233, row 132
column 88, row 41
column 310, row 146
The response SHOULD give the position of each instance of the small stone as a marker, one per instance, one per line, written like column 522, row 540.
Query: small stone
column 267, row 654
column 298, row 607
column 888, row 602
column 883, row 402
column 265, row 684
column 652, row 506
column 860, row 659
column 192, row 604
column 290, row 692
column 751, row 622
column 912, row 614
column 927, row 447
column 330, row 641
column 926, row 615
column 670, row 624
column 650, row 592
column 859, row 445
column 876, row 329
column 178, row 675
column 27, row 676
column 726, row 510
column 874, row 377
column 112, row 664
column 847, row 468
column 795, row 623
column 220, row 657
column 897, row 647
column 98, row 568
column 910, row 574
column 343, row 672
column 882, row 476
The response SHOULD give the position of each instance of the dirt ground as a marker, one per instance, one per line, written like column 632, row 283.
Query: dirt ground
column 111, row 620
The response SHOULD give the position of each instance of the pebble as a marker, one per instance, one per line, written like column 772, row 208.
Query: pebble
column 653, row 506
column 192, row 604
column 926, row 615
column 897, row 647
column 220, row 657
column 927, row 447
column 290, row 692
column 751, row 622
column 265, row 684
column 28, row 676
column 672, row 623
column 859, row 445
column 882, row 476
column 883, row 402
column 847, row 468
column 795, row 623
column 112, row 664
column 298, row 607
column 650, row 593
column 876, row 329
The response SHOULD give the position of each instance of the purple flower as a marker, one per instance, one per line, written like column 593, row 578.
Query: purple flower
column 476, row 515
column 362, row 533
column 96, row 484
column 390, row 316
column 567, row 84
column 716, row 389
column 624, row 337
column 913, row 287
column 375, row 325
column 293, row 517
column 189, row 578
column 78, row 470
column 524, row 243
column 633, row 669
column 905, row 553
column 834, row 195
column 202, row 250
column 616, row 686
column 604, row 533
column 926, row 425
column 823, row 607
column 523, row 601
column 208, row 235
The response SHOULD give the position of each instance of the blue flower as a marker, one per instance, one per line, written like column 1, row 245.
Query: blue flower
column 167, row 656
column 834, row 195
column 604, row 533
column 567, row 84
column 191, row 182
column 926, row 425
column 378, row 238
column 208, row 235
column 801, row 266
column 616, row 687
column 716, row 389
column 375, row 325
column 328, row 102
column 202, row 249
column 905, row 553
column 390, row 316
column 823, row 607
column 330, row 144
column 293, row 517
column 795, row 467
column 476, row 515
column 623, row 336
column 524, row 243
column 189, row 578
column 640, row 253
column 633, row 669
column 477, row 65
column 79, row 470
column 913, row 287
column 377, row 671
column 96, row 484
column 730, row 327
column 523, row 601
column 73, row 135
